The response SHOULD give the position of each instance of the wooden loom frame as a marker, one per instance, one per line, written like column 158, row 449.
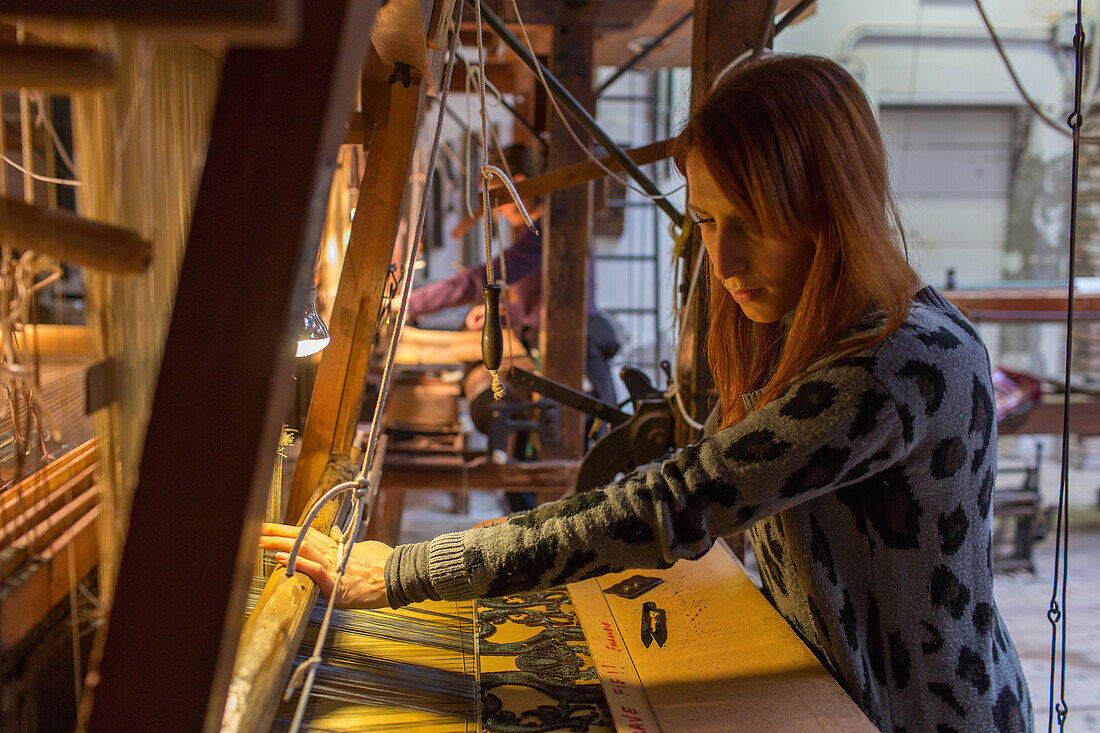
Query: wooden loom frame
column 226, row 347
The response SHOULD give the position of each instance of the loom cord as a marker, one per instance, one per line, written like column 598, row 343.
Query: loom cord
column 491, row 326
column 488, row 172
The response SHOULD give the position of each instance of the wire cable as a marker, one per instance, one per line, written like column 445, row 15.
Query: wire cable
column 1052, row 124
column 39, row 176
column 1057, row 612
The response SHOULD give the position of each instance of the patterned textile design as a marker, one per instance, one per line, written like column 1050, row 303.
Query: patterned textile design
column 536, row 673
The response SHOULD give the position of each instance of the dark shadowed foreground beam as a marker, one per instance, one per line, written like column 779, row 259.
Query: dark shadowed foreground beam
column 225, row 378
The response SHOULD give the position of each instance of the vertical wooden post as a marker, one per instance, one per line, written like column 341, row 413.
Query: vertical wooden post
column 225, row 379
column 391, row 114
column 568, row 226
column 722, row 30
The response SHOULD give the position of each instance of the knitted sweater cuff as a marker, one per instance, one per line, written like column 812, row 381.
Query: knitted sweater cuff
column 447, row 567
column 427, row 570
column 406, row 574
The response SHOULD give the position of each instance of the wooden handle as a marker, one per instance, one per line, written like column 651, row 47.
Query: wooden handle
column 492, row 337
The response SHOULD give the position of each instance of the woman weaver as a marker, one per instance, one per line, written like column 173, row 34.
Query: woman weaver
column 854, row 438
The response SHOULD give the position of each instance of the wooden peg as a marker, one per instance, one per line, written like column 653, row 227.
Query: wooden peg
column 72, row 239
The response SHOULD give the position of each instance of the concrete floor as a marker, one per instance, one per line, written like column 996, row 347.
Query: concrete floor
column 1023, row 598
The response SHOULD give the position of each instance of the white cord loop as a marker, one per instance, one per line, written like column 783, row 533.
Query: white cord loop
column 488, row 172
column 298, row 677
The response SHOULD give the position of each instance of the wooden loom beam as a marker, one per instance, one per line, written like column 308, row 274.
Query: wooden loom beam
column 36, row 486
column 71, row 556
column 567, row 177
column 568, row 226
column 48, row 528
column 238, row 22
column 34, row 561
column 391, row 114
column 40, row 508
column 58, row 69
column 411, row 473
column 1014, row 304
column 72, row 239
column 578, row 173
column 167, row 653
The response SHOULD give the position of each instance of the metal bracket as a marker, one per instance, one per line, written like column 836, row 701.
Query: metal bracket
column 510, row 417
column 634, row 586
column 567, row 396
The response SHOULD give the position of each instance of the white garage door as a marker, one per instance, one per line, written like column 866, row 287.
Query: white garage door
column 951, row 170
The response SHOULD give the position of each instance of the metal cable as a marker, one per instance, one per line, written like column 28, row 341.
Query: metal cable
column 1052, row 124
column 1057, row 612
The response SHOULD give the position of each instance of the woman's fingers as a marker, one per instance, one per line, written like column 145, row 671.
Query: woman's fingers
column 268, row 529
column 491, row 522
column 364, row 583
column 475, row 318
column 278, row 530
column 316, row 547
column 315, row 571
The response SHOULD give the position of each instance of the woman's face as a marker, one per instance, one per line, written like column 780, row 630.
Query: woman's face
column 764, row 277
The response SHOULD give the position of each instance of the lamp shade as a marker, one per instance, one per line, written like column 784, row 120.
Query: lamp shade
column 314, row 334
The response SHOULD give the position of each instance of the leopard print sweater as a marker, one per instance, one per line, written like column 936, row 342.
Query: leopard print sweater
column 867, row 491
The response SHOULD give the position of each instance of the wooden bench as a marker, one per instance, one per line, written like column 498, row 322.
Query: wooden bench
column 1016, row 515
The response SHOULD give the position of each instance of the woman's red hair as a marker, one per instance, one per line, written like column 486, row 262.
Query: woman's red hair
column 795, row 147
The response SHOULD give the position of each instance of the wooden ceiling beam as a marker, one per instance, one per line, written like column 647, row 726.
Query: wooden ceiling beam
column 234, row 22
column 599, row 14
column 616, row 47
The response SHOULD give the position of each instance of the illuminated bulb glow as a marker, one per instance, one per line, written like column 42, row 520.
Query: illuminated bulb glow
column 308, row 347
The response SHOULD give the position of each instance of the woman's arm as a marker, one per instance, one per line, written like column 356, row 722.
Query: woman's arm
column 523, row 257
column 835, row 427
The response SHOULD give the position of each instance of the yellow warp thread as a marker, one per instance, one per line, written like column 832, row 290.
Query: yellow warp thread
column 499, row 389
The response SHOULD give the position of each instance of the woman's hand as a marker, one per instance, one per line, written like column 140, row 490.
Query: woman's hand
column 491, row 522
column 364, row 582
column 475, row 319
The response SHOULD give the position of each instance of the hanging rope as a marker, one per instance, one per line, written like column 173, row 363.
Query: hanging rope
column 492, row 336
column 1031, row 104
